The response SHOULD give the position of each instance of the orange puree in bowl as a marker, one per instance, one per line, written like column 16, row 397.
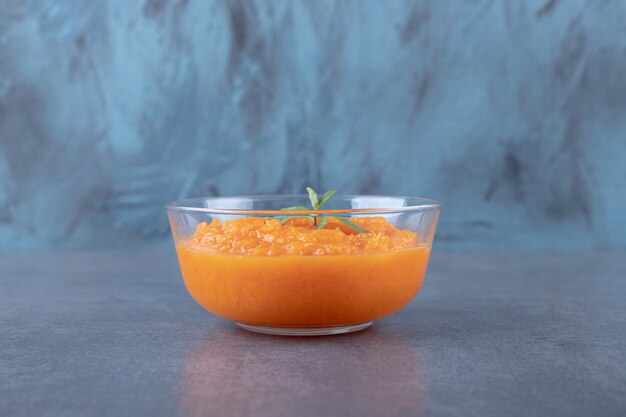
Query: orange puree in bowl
column 258, row 271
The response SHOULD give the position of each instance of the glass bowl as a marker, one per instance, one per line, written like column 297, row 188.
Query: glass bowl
column 303, row 272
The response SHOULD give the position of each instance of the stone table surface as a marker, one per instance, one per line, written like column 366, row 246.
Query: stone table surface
column 508, row 334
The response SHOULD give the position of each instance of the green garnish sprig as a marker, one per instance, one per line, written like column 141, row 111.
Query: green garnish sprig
column 319, row 220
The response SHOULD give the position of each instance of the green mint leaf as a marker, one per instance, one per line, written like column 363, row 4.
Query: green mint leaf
column 322, row 223
column 316, row 203
column 328, row 194
column 283, row 219
column 313, row 198
column 351, row 224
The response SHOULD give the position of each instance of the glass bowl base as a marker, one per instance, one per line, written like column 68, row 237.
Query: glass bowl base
column 306, row 331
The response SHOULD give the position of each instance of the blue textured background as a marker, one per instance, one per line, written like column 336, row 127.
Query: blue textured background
column 512, row 113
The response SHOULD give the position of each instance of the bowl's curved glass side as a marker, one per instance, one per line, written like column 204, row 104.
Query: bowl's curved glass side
column 423, row 223
column 183, row 224
column 247, row 205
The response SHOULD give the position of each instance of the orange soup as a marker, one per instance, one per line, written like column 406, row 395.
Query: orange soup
column 260, row 271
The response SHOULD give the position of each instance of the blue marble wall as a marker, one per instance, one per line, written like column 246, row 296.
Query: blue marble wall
column 512, row 113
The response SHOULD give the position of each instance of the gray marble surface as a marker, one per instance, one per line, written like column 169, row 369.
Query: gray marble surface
column 115, row 334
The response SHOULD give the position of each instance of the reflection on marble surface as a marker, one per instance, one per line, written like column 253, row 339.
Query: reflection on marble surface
column 369, row 370
column 510, row 112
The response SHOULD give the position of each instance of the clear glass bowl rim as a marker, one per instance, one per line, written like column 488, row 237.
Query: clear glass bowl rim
column 192, row 205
